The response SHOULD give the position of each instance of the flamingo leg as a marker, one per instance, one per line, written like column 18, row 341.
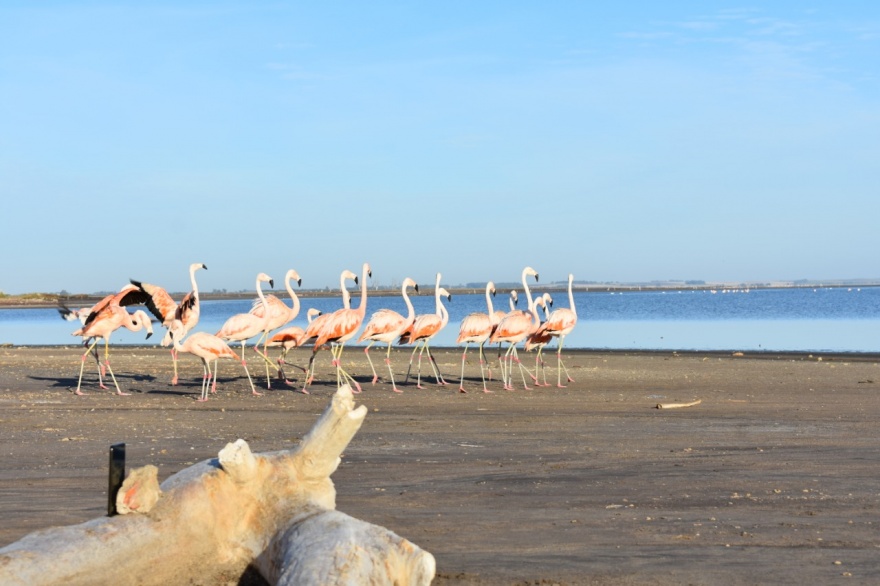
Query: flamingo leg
column 82, row 365
column 281, row 363
column 440, row 380
column 505, row 369
column 390, row 371
column 411, row 356
column 560, row 366
column 264, row 338
column 419, row 375
column 174, row 362
column 522, row 369
column 309, row 372
column 247, row 372
column 205, row 381
column 482, row 374
column 214, row 381
column 461, row 378
column 110, row 370
column 341, row 374
column 367, row 352
column 101, row 368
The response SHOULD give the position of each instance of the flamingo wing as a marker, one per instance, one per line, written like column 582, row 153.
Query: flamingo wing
column 561, row 320
column 158, row 301
column 383, row 322
column 241, row 327
column 341, row 324
column 426, row 326
column 474, row 325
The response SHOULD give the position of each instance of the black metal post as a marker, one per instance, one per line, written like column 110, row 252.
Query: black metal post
column 116, row 476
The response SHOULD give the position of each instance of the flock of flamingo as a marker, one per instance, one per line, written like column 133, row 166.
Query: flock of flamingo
column 270, row 314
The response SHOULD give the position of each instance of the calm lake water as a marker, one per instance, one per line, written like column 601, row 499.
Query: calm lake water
column 805, row 320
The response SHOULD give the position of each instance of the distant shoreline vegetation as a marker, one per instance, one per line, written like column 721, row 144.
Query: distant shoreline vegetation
column 85, row 299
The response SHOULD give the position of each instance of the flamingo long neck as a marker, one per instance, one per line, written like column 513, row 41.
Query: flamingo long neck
column 535, row 318
column 410, row 311
column 263, row 301
column 444, row 315
column 192, row 280
column 571, row 295
column 525, row 283
column 130, row 324
column 176, row 341
column 489, row 300
column 437, row 303
column 362, row 308
column 294, row 311
column 346, row 297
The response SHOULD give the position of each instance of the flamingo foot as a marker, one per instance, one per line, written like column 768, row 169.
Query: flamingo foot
column 174, row 381
column 561, row 386
column 461, row 389
column 257, row 393
column 201, row 400
column 396, row 390
column 357, row 386
column 79, row 392
column 304, row 392
column 121, row 394
column 419, row 386
column 487, row 391
column 103, row 386
column 375, row 378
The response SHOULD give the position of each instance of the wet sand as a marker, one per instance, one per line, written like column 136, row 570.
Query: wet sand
column 771, row 478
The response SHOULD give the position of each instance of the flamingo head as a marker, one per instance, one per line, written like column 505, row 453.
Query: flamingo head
column 266, row 279
column 292, row 275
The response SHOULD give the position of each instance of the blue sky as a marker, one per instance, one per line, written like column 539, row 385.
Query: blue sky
column 639, row 141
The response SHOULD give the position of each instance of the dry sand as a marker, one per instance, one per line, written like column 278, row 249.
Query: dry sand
column 771, row 479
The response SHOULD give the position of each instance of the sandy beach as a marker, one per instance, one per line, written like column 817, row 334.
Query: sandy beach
column 770, row 479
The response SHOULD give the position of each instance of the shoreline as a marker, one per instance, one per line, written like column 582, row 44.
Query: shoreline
column 53, row 299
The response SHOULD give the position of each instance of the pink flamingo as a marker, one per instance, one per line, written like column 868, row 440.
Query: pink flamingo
column 81, row 315
column 206, row 346
column 243, row 326
column 423, row 329
column 289, row 338
column 106, row 317
column 540, row 339
column 339, row 328
column 477, row 327
column 513, row 329
column 499, row 315
column 559, row 324
column 166, row 310
column 387, row 325
column 315, row 326
column 279, row 315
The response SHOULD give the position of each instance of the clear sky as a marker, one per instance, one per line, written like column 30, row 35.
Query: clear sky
column 619, row 141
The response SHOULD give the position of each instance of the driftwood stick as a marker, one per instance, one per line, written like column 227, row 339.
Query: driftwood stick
column 678, row 405
column 210, row 521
